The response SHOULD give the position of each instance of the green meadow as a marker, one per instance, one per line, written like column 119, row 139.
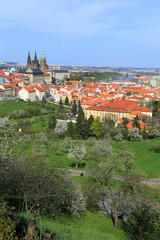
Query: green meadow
column 91, row 226
column 144, row 159
column 10, row 106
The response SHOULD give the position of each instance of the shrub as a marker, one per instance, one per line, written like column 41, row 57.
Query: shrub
column 118, row 137
column 156, row 148
column 44, row 111
column 61, row 128
column 103, row 149
column 7, row 225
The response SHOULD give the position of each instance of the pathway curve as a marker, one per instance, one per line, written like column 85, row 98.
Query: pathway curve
column 151, row 182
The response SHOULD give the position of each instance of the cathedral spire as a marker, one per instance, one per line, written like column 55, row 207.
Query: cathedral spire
column 29, row 60
column 35, row 57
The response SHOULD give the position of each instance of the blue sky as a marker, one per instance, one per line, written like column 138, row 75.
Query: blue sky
column 82, row 32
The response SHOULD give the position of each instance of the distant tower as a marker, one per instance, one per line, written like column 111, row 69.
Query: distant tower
column 29, row 60
column 43, row 64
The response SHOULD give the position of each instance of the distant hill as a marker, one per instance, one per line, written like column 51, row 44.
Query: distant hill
column 11, row 63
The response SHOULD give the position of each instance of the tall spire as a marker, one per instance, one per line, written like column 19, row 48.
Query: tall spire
column 43, row 56
column 29, row 60
column 35, row 57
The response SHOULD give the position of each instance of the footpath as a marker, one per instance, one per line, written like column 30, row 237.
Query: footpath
column 152, row 182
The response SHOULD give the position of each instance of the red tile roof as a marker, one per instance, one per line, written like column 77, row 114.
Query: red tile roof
column 142, row 125
column 40, row 89
column 46, row 74
column 2, row 73
column 30, row 89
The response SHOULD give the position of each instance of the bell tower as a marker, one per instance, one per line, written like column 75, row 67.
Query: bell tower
column 43, row 64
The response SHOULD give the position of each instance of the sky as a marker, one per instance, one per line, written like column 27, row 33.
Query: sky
column 119, row 33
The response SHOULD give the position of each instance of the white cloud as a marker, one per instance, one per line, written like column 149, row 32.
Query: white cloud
column 68, row 17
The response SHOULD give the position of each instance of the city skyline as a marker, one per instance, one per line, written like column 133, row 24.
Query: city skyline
column 104, row 33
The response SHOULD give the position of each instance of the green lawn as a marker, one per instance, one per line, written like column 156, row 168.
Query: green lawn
column 38, row 125
column 10, row 106
column 91, row 226
column 144, row 159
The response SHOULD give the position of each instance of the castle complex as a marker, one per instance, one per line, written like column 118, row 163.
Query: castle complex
column 35, row 64
column 37, row 71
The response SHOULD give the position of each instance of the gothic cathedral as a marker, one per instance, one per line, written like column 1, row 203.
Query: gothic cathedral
column 35, row 64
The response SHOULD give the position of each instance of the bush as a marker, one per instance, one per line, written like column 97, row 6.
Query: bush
column 103, row 149
column 44, row 111
column 24, row 124
column 61, row 128
column 156, row 148
column 7, row 225
column 134, row 135
column 118, row 137
column 31, row 111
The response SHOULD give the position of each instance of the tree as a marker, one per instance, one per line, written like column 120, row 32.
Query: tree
column 68, row 143
column 136, row 122
column 55, row 146
column 144, row 220
column 144, row 134
column 118, row 137
column 66, row 101
column 125, row 121
column 60, row 101
column 97, row 127
column 79, row 127
column 60, row 104
column 134, row 135
column 111, row 200
column 43, row 100
column 103, row 149
column 70, row 129
column 125, row 133
column 61, row 128
column 39, row 186
column 85, row 131
column 109, row 122
column 52, row 122
column 154, row 133
column 80, row 109
column 74, row 108
column 90, row 121
column 78, row 153
column 128, row 93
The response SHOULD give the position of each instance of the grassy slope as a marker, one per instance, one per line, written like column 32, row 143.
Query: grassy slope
column 92, row 226
column 11, row 105
column 146, row 160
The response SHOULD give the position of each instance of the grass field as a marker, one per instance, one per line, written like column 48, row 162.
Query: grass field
column 10, row 106
column 144, row 159
column 91, row 226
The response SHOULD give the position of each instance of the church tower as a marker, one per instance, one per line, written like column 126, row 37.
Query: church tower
column 43, row 64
